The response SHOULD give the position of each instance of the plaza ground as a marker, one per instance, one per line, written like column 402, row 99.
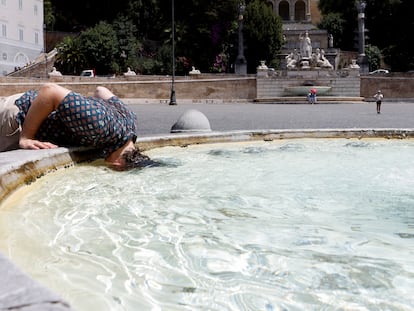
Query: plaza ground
column 156, row 119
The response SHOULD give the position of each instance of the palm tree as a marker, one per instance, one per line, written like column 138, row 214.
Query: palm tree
column 70, row 59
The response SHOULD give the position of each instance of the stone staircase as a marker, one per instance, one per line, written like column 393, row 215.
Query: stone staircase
column 38, row 68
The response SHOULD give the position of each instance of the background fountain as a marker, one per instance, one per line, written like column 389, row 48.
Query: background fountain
column 305, row 66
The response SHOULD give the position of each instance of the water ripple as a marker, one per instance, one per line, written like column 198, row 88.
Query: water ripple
column 273, row 226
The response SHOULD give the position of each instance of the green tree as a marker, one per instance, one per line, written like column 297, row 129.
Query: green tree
column 346, row 15
column 150, row 17
column 129, row 47
column 49, row 17
column 100, row 47
column 398, row 50
column 70, row 59
column 334, row 25
column 374, row 57
column 78, row 15
column 388, row 24
column 206, row 31
column 263, row 33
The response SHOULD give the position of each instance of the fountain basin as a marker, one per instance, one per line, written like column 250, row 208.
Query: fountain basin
column 124, row 279
column 179, row 236
column 304, row 89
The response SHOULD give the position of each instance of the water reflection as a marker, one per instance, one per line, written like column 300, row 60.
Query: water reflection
column 307, row 224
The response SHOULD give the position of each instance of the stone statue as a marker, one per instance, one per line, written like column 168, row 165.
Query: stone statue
column 330, row 41
column 292, row 59
column 194, row 71
column 316, row 58
column 324, row 61
column 129, row 72
column 319, row 59
column 306, row 59
column 55, row 73
column 306, row 45
column 354, row 64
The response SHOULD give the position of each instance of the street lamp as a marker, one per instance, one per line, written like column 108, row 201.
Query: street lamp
column 45, row 49
column 241, row 64
column 172, row 96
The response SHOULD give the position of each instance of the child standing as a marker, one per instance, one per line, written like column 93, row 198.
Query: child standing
column 378, row 98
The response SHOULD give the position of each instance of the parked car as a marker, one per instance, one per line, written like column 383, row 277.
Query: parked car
column 379, row 72
column 88, row 73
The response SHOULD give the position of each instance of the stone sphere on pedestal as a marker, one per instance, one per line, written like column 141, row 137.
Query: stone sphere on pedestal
column 191, row 121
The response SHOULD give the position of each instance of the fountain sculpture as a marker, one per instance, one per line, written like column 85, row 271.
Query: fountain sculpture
column 306, row 58
column 306, row 66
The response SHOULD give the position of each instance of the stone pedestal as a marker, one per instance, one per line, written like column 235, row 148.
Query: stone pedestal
column 363, row 64
column 262, row 69
column 240, row 68
column 304, row 64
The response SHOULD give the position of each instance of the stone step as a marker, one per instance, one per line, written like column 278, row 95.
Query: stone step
column 302, row 99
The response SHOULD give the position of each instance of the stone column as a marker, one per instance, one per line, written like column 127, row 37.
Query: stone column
column 362, row 59
column 241, row 64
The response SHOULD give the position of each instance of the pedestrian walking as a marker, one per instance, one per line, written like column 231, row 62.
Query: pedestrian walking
column 378, row 98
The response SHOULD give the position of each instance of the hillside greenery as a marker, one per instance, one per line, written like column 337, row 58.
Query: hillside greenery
column 110, row 36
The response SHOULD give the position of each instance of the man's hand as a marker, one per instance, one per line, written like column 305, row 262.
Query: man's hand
column 34, row 144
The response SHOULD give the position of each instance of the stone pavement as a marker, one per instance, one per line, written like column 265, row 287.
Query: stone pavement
column 19, row 292
column 158, row 118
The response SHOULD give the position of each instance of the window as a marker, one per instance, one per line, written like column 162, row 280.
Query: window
column 35, row 10
column 284, row 10
column 21, row 34
column 36, row 38
column 4, row 30
column 21, row 4
column 300, row 11
column 4, row 56
column 3, row 2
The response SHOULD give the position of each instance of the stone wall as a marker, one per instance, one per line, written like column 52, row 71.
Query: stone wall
column 393, row 87
column 225, row 87
column 228, row 88
column 342, row 83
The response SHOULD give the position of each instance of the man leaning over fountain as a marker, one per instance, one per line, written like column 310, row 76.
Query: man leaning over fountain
column 56, row 116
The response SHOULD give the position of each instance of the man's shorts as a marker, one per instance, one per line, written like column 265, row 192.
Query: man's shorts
column 9, row 127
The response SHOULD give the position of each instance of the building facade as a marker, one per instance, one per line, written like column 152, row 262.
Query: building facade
column 297, row 11
column 21, row 33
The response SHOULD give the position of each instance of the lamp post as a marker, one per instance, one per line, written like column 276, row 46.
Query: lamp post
column 241, row 64
column 362, row 59
column 45, row 49
column 173, row 100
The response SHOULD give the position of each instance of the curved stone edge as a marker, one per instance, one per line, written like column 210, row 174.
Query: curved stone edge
column 185, row 139
column 21, row 167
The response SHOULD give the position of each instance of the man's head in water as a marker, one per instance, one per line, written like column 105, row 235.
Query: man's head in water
column 133, row 158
